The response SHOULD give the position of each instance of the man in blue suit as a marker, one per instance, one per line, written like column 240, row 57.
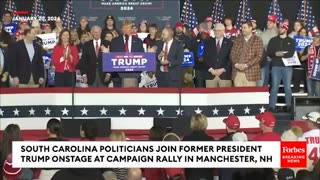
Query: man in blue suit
column 127, row 43
column 169, row 56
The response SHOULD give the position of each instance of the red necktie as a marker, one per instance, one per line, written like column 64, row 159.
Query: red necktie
column 218, row 47
column 97, row 49
column 126, row 45
column 165, row 67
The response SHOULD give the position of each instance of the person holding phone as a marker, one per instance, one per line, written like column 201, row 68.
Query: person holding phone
column 65, row 58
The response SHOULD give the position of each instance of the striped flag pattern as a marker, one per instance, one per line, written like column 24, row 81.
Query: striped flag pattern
column 133, row 111
column 305, row 14
column 37, row 11
column 68, row 16
column 188, row 16
column 217, row 11
column 274, row 9
column 244, row 13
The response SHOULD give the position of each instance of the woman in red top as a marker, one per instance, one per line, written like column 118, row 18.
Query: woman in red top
column 65, row 59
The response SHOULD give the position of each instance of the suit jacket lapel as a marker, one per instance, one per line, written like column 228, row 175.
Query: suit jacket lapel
column 35, row 50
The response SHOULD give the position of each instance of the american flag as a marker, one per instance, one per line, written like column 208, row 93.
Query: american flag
column 305, row 14
column 217, row 11
column 68, row 16
column 188, row 16
column 11, row 6
column 274, row 9
column 38, row 12
column 244, row 13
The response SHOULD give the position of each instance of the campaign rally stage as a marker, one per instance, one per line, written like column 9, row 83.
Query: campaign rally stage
column 159, row 154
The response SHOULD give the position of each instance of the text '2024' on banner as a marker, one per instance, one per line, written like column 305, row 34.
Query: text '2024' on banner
column 158, row 154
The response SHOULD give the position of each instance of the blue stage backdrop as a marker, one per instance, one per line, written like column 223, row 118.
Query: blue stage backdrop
column 153, row 11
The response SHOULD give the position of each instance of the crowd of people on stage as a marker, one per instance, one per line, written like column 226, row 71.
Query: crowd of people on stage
column 224, row 55
column 198, row 126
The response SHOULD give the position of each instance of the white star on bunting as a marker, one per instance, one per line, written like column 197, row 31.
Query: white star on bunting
column 16, row 112
column 103, row 111
column 231, row 110
column 31, row 112
column 141, row 111
column 179, row 112
column 84, row 111
column 1, row 112
column 47, row 111
column 198, row 111
column 65, row 111
column 215, row 111
column 247, row 110
column 160, row 112
column 122, row 111
column 262, row 109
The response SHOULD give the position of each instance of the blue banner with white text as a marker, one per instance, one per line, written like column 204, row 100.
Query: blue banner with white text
column 301, row 42
column 188, row 59
column 129, row 62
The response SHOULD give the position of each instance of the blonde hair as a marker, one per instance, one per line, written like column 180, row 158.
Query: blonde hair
column 127, row 23
column 199, row 122
column 117, row 136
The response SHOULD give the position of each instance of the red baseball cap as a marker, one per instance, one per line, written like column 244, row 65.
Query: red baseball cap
column 267, row 118
column 179, row 24
column 208, row 19
column 272, row 18
column 10, row 172
column 171, row 172
column 232, row 121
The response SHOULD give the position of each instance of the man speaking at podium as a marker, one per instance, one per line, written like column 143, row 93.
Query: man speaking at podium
column 127, row 43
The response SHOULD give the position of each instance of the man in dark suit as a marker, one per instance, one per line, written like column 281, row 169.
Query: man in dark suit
column 90, row 65
column 217, row 58
column 27, row 68
column 170, row 56
column 127, row 43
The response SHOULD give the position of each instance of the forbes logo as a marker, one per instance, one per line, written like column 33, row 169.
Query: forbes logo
column 293, row 154
column 293, row 150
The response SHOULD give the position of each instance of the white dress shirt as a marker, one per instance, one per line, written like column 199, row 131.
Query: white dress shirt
column 95, row 43
column 164, row 48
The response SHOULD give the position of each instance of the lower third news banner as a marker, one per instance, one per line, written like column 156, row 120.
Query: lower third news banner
column 158, row 154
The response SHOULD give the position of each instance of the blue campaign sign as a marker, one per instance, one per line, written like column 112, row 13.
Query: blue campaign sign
column 315, row 71
column 10, row 28
column 301, row 42
column 51, row 75
column 188, row 59
column 201, row 49
column 46, row 60
column 129, row 62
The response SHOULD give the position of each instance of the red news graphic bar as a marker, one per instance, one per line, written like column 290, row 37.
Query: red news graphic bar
column 20, row 12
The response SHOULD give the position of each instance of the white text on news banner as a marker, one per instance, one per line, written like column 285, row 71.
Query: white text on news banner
column 108, row 154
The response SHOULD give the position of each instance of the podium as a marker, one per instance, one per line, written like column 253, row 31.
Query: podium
column 129, row 65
